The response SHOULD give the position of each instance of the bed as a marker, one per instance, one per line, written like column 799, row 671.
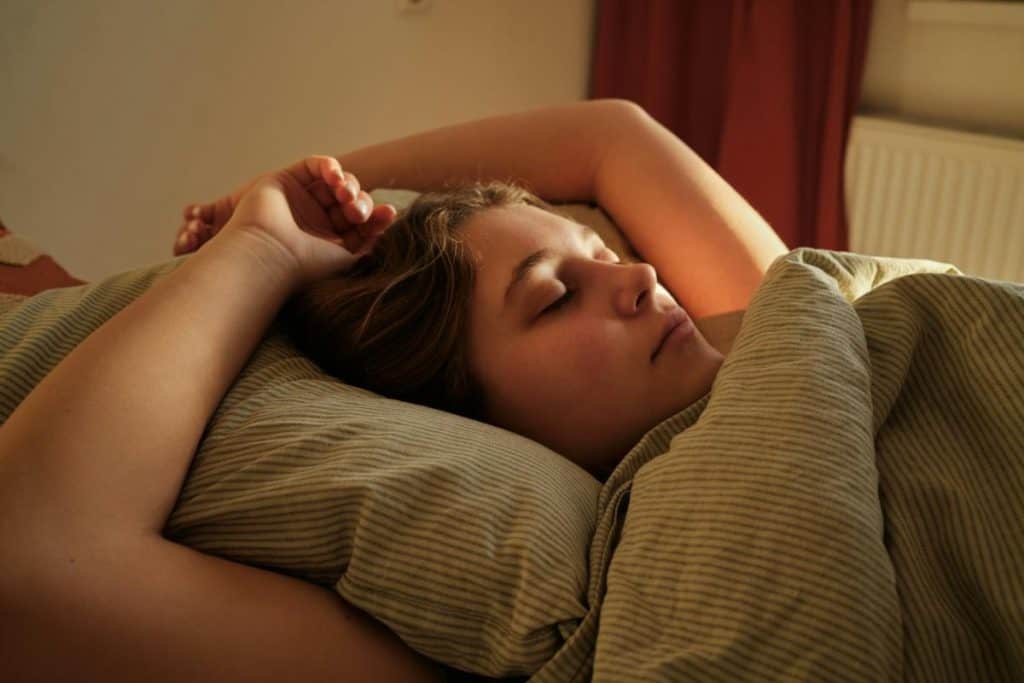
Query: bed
column 846, row 503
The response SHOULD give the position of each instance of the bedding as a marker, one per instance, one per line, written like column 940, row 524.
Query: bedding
column 26, row 270
column 845, row 504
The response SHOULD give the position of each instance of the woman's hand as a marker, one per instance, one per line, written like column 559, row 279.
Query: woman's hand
column 312, row 211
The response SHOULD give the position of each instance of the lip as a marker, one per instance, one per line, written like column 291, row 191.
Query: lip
column 674, row 318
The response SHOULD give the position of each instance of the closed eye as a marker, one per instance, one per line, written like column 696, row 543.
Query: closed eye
column 561, row 301
column 570, row 293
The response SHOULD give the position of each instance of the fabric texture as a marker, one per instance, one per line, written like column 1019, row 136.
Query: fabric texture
column 846, row 504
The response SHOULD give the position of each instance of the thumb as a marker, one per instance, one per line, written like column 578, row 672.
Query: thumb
column 382, row 218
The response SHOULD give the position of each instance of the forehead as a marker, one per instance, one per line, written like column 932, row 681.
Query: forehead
column 500, row 238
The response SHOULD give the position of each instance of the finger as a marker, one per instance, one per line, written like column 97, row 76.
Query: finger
column 337, row 218
column 345, row 190
column 382, row 217
column 358, row 239
column 180, row 243
column 384, row 213
column 314, row 167
column 330, row 170
column 358, row 211
column 205, row 232
column 186, row 242
column 197, row 234
column 342, row 228
column 202, row 212
column 323, row 194
column 381, row 214
column 369, row 237
column 353, row 188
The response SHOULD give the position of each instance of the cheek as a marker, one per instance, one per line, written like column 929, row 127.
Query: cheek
column 573, row 359
column 592, row 351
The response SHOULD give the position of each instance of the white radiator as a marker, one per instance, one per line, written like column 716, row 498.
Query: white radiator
column 921, row 192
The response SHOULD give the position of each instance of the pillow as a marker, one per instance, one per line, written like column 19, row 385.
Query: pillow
column 25, row 269
column 468, row 541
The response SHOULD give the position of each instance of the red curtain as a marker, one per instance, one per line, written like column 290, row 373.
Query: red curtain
column 763, row 90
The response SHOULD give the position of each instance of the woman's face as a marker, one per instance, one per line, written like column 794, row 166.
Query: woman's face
column 575, row 374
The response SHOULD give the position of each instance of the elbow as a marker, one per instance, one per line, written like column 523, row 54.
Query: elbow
column 620, row 121
column 617, row 124
column 619, row 110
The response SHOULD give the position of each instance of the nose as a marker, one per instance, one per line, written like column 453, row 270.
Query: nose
column 635, row 291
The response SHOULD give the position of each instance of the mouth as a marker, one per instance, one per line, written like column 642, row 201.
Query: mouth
column 674, row 318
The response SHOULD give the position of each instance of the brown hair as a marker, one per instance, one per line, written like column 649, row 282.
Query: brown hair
column 397, row 322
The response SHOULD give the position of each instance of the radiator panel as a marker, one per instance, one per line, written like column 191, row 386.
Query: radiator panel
column 921, row 192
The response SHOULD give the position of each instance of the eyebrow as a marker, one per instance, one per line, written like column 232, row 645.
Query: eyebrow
column 522, row 270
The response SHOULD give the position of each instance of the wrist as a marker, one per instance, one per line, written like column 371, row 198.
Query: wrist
column 275, row 264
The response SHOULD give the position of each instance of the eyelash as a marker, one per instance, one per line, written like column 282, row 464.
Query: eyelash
column 563, row 300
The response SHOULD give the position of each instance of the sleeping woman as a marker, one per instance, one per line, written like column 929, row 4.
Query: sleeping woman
column 483, row 300
column 480, row 299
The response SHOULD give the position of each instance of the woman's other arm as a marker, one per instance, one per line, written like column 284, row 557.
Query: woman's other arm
column 91, row 463
column 144, row 608
column 709, row 246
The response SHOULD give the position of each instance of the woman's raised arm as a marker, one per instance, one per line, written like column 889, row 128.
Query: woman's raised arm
column 91, row 463
column 709, row 246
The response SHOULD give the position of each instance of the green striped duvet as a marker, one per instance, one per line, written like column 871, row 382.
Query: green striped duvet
column 846, row 504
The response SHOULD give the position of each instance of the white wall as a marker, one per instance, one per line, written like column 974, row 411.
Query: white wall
column 959, row 66
column 117, row 113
